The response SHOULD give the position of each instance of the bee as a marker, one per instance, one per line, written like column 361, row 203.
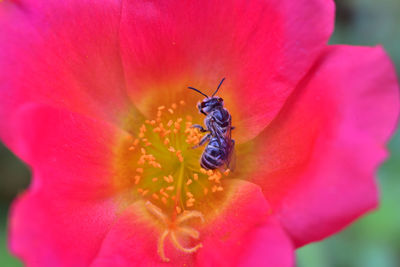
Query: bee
column 218, row 121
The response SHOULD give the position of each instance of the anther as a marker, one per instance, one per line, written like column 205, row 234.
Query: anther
column 137, row 179
column 178, row 209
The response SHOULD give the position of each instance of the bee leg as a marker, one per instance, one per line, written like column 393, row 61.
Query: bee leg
column 199, row 127
column 203, row 140
column 233, row 128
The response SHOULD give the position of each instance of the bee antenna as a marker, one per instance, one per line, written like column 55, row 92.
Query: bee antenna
column 220, row 83
column 198, row 91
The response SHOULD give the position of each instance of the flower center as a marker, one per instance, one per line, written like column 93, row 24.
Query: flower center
column 164, row 170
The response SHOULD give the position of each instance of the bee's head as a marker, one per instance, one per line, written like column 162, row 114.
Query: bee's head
column 208, row 104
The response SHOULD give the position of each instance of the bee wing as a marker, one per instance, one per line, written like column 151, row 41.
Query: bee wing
column 232, row 159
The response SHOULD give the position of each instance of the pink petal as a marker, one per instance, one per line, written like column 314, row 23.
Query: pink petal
column 241, row 235
column 268, row 245
column 317, row 161
column 72, row 200
column 263, row 48
column 244, row 233
column 62, row 53
column 46, row 230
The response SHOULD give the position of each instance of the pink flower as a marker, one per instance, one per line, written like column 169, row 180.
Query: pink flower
column 94, row 98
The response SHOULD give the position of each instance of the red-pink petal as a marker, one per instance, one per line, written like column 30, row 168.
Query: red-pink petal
column 245, row 233
column 46, row 230
column 263, row 48
column 62, row 53
column 318, row 159
column 268, row 245
column 72, row 201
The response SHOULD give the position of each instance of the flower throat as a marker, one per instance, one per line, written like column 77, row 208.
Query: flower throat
column 165, row 172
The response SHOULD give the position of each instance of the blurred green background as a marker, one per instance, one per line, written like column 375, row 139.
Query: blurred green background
column 373, row 241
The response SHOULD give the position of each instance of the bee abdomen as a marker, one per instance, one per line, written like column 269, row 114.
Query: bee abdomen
column 214, row 155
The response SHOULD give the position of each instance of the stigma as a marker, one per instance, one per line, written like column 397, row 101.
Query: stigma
column 174, row 229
